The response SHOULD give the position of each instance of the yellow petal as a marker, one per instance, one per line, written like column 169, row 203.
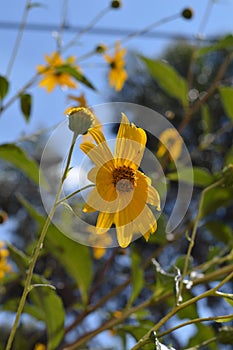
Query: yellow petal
column 153, row 197
column 104, row 221
column 171, row 142
column 124, row 235
column 98, row 252
column 130, row 143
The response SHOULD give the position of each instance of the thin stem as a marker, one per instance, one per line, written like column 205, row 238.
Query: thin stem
column 37, row 250
column 18, row 38
column 150, row 26
column 195, row 320
column 87, row 28
column 211, row 292
column 204, row 343
column 74, row 193
column 197, row 104
column 193, row 235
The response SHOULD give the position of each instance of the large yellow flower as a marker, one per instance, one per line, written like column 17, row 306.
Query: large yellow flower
column 51, row 74
column 121, row 191
column 117, row 73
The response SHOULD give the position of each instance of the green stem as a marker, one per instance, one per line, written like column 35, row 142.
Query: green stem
column 74, row 193
column 37, row 250
column 193, row 235
column 211, row 292
column 195, row 320
column 18, row 38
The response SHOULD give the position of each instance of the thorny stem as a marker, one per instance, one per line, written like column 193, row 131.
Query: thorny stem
column 37, row 250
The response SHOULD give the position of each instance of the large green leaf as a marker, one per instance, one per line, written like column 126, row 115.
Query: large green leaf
column 216, row 198
column 226, row 93
column 220, row 230
column 76, row 74
column 198, row 176
column 75, row 258
column 168, row 78
column 137, row 276
column 49, row 308
column 18, row 157
column 225, row 43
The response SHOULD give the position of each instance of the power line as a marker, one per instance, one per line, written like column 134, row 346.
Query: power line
column 103, row 31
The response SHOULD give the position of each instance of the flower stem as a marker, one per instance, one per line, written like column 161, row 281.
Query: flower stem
column 37, row 250
column 193, row 235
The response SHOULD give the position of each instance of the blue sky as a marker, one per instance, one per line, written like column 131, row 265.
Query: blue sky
column 48, row 109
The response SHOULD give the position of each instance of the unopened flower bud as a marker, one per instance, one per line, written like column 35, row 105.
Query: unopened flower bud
column 101, row 48
column 115, row 4
column 3, row 216
column 187, row 13
column 80, row 120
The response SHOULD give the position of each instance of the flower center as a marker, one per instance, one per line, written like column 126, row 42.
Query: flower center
column 124, row 178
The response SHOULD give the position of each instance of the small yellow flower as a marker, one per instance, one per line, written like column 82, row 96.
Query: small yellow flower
column 121, row 191
column 117, row 73
column 171, row 142
column 40, row 346
column 98, row 242
column 4, row 266
column 51, row 74
column 81, row 100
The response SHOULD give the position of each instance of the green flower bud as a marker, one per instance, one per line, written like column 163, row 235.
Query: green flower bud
column 115, row 4
column 187, row 13
column 80, row 120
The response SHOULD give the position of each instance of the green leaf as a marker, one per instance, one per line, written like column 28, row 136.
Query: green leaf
column 225, row 335
column 229, row 156
column 226, row 94
column 225, row 43
column 137, row 276
column 199, row 176
column 20, row 259
column 220, row 230
column 51, row 311
column 216, row 198
column 25, row 104
column 18, row 157
column 4, row 86
column 169, row 79
column 75, row 258
column 75, row 74
column 206, row 118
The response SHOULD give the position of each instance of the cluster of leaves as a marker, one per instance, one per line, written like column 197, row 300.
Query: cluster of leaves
column 136, row 293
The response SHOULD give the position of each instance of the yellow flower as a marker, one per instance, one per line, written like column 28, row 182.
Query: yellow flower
column 117, row 74
column 121, row 191
column 51, row 74
column 81, row 99
column 4, row 266
column 98, row 242
column 170, row 141
column 40, row 346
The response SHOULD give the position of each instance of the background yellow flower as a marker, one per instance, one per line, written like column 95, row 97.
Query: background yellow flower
column 117, row 73
column 52, row 76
